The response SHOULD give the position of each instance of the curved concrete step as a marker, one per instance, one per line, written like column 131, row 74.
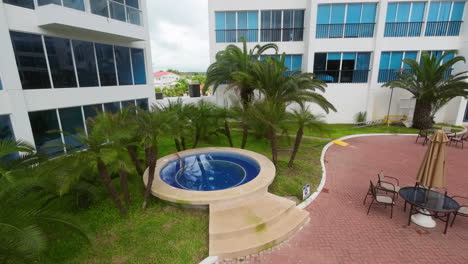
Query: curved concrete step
column 262, row 239
column 251, row 216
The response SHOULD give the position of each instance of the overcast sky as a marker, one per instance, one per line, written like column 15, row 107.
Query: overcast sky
column 179, row 34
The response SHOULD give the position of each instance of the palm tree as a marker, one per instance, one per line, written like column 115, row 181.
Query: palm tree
column 231, row 67
column 204, row 119
column 275, row 83
column 270, row 115
column 303, row 118
column 151, row 125
column 431, row 84
column 24, row 212
column 179, row 124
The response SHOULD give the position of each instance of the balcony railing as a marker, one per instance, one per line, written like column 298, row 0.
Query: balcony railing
column 443, row 28
column 394, row 74
column 293, row 34
column 235, row 35
column 403, row 29
column 343, row 76
column 348, row 30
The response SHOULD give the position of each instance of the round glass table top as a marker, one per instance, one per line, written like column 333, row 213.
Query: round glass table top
column 428, row 199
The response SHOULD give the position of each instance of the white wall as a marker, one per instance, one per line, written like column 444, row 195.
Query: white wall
column 352, row 98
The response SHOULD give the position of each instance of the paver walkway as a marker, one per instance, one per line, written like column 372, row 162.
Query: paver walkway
column 340, row 231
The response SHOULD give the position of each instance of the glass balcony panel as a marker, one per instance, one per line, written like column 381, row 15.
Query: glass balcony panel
column 117, row 11
column 134, row 16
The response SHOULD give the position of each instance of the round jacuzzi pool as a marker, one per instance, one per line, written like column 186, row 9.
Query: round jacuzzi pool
column 209, row 171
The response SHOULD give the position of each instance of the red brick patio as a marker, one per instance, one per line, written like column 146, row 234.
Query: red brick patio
column 340, row 231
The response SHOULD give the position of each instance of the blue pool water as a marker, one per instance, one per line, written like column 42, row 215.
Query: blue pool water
column 209, row 171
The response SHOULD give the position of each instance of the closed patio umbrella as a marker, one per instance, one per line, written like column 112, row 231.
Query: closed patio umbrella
column 432, row 172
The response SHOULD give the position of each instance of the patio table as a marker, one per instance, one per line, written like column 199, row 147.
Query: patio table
column 429, row 202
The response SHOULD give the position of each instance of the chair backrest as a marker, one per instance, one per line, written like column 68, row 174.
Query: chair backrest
column 464, row 136
column 381, row 176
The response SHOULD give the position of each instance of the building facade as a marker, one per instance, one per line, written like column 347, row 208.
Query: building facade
column 354, row 46
column 165, row 79
column 62, row 61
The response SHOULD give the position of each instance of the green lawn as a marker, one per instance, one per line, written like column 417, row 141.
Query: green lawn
column 167, row 233
column 341, row 130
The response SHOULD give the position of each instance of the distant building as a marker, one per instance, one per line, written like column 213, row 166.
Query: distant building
column 165, row 79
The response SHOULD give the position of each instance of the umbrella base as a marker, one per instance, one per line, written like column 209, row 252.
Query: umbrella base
column 423, row 220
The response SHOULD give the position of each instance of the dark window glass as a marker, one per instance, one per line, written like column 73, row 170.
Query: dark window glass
column 75, row 4
column 92, row 111
column 320, row 61
column 42, row 123
column 124, row 69
column 46, row 2
column 60, row 62
column 105, row 58
column 143, row 103
column 85, row 63
column 132, row 3
column 72, row 122
column 6, row 130
column 117, row 11
column 129, row 103
column 112, row 108
column 1, row 84
column 99, row 7
column 138, row 63
column 30, row 59
column 21, row 3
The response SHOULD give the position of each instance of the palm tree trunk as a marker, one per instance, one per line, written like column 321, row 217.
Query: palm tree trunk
column 197, row 138
column 151, row 158
column 245, row 133
column 422, row 115
column 228, row 133
column 132, row 152
column 274, row 147
column 106, row 180
column 177, row 144
column 297, row 144
column 182, row 142
column 124, row 185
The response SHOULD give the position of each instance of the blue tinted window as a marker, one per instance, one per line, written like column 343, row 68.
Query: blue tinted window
column 403, row 12
column 6, row 130
column 368, row 13
column 99, row 7
column 230, row 20
column 241, row 20
column 44, row 125
column 124, row 70
column 337, row 14
column 21, row 3
column 117, row 11
column 85, row 63
column 220, row 20
column 60, row 62
column 363, row 61
column 391, row 12
column 296, row 63
column 433, row 11
column 252, row 18
column 395, row 60
column 138, row 63
column 1, row 84
column 112, row 108
column 75, row 4
column 384, row 60
column 132, row 3
column 323, row 14
column 71, row 120
column 105, row 58
column 457, row 12
column 30, row 59
column 91, row 111
column 444, row 11
column 354, row 13
column 143, row 103
column 417, row 12
column 298, row 19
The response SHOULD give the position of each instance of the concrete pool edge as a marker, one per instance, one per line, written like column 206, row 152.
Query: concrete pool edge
column 260, row 183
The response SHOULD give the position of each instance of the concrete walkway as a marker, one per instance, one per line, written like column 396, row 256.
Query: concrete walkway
column 340, row 231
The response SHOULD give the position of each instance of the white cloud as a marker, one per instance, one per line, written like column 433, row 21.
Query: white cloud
column 179, row 34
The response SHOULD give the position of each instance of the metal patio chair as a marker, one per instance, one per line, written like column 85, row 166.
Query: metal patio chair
column 380, row 199
column 463, row 210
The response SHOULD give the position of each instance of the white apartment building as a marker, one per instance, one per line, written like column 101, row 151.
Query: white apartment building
column 353, row 45
column 62, row 61
column 165, row 79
